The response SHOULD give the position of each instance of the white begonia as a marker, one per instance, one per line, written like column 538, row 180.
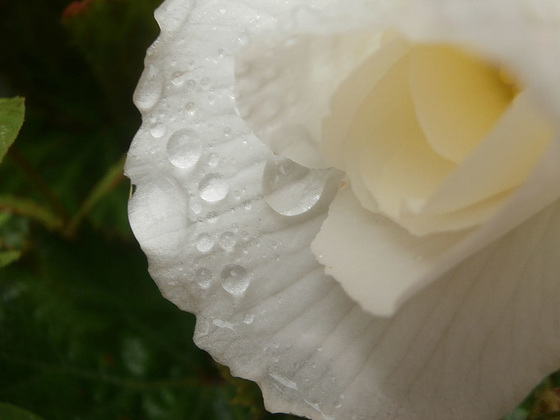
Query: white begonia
column 227, row 225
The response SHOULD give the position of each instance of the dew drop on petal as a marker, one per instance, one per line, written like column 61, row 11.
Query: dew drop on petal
column 212, row 217
column 227, row 241
column 213, row 188
column 184, row 149
column 248, row 319
column 203, row 277
column 158, row 131
column 292, row 189
column 235, row 279
column 149, row 89
column 213, row 159
column 204, row 242
column 178, row 78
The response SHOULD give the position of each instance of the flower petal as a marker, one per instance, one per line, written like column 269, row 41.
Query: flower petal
column 469, row 346
column 264, row 305
column 284, row 88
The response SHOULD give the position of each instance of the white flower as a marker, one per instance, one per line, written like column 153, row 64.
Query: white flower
column 469, row 280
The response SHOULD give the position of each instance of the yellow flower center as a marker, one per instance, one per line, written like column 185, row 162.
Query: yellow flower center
column 443, row 137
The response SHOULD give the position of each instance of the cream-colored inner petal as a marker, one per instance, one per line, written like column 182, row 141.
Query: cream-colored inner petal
column 400, row 163
column 442, row 133
column 501, row 163
column 458, row 98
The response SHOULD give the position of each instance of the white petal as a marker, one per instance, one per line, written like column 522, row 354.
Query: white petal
column 378, row 263
column 284, row 88
column 467, row 347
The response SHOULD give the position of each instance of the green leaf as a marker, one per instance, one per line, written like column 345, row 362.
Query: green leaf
column 11, row 412
column 12, row 111
column 8, row 257
column 110, row 180
column 29, row 208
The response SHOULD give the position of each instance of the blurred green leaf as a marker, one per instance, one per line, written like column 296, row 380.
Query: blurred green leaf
column 31, row 209
column 110, row 180
column 12, row 113
column 11, row 412
column 8, row 257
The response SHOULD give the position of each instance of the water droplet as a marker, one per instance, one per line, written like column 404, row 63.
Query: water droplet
column 149, row 90
column 178, row 78
column 227, row 241
column 235, row 279
column 158, row 131
column 184, row 149
column 190, row 107
column 212, row 217
column 196, row 207
column 220, row 323
column 204, row 242
column 292, row 189
column 213, row 188
column 248, row 319
column 203, row 277
column 213, row 159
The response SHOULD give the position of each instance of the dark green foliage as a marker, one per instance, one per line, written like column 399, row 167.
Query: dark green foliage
column 12, row 111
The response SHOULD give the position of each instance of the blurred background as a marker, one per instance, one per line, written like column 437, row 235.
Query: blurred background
column 84, row 332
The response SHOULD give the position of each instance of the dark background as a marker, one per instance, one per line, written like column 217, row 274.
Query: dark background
column 84, row 332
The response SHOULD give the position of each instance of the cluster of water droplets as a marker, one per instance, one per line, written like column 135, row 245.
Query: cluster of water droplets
column 222, row 214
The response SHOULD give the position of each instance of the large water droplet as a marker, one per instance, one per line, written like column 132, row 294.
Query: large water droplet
column 184, row 149
column 235, row 279
column 213, row 188
column 291, row 189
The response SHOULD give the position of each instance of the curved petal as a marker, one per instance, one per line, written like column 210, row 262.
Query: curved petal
column 284, row 88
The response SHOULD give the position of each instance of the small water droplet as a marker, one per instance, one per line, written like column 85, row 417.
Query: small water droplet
column 204, row 242
column 196, row 207
column 213, row 159
column 190, row 107
column 227, row 241
column 248, row 319
column 235, row 279
column 213, row 188
column 292, row 189
column 178, row 78
column 184, row 149
column 149, row 90
column 212, row 217
column 158, row 131
column 203, row 277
